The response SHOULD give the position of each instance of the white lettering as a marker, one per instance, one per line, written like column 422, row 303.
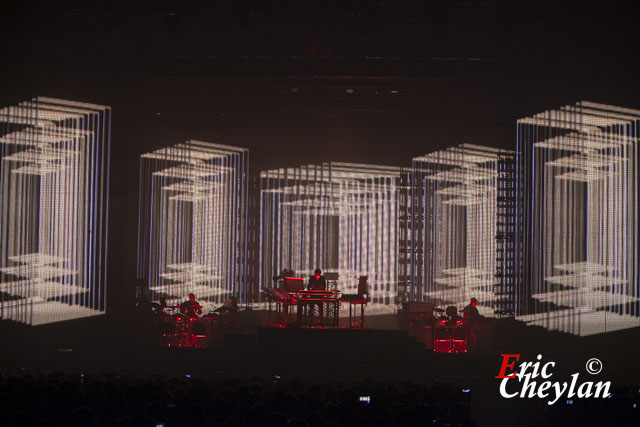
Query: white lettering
column 582, row 393
column 553, row 391
column 599, row 386
column 544, row 369
column 528, row 386
column 523, row 370
column 536, row 366
column 543, row 387
column 574, row 380
column 503, row 389
column 559, row 392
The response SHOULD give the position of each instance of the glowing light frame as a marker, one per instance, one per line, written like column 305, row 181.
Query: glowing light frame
column 579, row 167
column 193, row 221
column 453, row 226
column 340, row 217
column 54, row 174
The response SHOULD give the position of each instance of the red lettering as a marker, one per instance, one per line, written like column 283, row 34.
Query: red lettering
column 505, row 365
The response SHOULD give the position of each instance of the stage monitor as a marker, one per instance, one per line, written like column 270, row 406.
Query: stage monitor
column 332, row 276
column 293, row 284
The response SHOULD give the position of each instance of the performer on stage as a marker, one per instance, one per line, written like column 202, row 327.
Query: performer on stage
column 471, row 318
column 228, row 306
column 159, row 309
column 191, row 307
column 317, row 282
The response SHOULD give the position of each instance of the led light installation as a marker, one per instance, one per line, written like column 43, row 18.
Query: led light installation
column 580, row 220
column 54, row 172
column 193, row 222
column 339, row 217
column 454, row 223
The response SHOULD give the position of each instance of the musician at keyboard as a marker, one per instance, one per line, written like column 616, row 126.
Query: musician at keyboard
column 317, row 282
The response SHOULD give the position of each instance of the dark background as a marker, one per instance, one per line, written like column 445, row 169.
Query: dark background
column 275, row 77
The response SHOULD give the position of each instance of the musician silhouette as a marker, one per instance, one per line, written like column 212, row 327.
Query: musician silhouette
column 471, row 319
column 191, row 307
column 317, row 282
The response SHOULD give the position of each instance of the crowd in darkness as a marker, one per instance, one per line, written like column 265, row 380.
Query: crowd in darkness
column 124, row 400
column 55, row 399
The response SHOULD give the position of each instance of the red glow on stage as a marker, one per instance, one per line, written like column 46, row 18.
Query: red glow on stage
column 449, row 346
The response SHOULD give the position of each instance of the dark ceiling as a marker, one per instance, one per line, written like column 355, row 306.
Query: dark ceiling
column 335, row 76
column 214, row 35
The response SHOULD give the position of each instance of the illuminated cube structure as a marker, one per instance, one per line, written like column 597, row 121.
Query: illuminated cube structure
column 580, row 218
column 454, row 218
column 193, row 222
column 54, row 170
column 339, row 217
